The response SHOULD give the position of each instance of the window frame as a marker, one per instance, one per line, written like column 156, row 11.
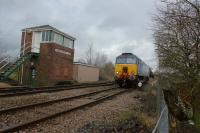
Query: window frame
column 124, row 61
column 49, row 36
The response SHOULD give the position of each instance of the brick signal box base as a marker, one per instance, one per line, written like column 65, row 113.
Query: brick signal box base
column 54, row 64
column 52, row 56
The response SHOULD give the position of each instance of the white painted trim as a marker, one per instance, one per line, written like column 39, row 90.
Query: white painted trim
column 48, row 29
column 33, row 47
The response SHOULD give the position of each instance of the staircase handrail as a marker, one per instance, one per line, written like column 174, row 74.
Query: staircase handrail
column 7, row 57
column 4, row 65
column 21, row 52
column 10, row 57
column 15, row 54
column 25, row 48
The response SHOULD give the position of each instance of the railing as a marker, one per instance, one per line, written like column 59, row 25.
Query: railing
column 4, row 65
column 7, row 60
column 162, row 125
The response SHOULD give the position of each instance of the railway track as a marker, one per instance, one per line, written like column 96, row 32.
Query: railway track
column 51, row 101
column 50, row 109
column 24, row 88
column 14, row 88
column 18, row 91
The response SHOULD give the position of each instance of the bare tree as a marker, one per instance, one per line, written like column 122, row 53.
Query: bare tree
column 177, row 38
column 107, row 71
column 94, row 58
column 90, row 54
column 100, row 59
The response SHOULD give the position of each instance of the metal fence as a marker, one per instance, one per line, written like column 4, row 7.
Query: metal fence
column 162, row 125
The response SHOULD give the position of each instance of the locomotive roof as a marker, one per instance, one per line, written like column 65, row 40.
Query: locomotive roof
column 131, row 55
column 126, row 55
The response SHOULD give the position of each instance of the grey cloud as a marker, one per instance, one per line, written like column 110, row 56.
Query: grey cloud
column 113, row 26
column 131, row 16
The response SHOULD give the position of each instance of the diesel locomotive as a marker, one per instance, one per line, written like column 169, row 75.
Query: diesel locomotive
column 131, row 70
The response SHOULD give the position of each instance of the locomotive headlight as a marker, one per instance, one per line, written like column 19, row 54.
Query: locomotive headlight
column 140, row 84
column 117, row 72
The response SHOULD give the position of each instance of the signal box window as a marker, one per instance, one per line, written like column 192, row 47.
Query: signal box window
column 50, row 36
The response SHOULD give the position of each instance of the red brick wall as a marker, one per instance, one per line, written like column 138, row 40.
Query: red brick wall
column 51, row 66
column 55, row 66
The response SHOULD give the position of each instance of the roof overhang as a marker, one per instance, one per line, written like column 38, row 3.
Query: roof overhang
column 47, row 28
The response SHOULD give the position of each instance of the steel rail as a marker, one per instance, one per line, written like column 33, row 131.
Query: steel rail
column 53, row 89
column 32, row 122
column 21, row 88
column 13, row 88
column 52, row 101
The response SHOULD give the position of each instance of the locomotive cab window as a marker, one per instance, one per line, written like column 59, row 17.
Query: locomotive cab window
column 125, row 60
column 131, row 60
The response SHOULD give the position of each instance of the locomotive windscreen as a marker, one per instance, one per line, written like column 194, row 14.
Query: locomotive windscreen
column 125, row 60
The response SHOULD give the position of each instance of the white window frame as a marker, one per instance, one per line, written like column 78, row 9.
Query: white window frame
column 57, row 39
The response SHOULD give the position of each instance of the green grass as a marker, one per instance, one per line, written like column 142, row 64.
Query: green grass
column 125, row 115
column 197, row 121
column 150, row 99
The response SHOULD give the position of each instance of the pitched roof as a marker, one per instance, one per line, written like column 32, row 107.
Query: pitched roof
column 48, row 27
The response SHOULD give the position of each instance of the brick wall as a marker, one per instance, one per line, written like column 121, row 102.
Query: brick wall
column 55, row 63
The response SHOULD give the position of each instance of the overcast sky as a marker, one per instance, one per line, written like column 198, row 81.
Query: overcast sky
column 112, row 26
